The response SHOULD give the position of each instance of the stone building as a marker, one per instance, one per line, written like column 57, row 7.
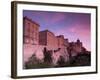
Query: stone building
column 61, row 41
column 75, row 47
column 40, row 39
column 32, row 35
column 48, row 39
column 56, row 44
column 51, row 41
column 30, row 31
column 78, row 46
column 66, row 42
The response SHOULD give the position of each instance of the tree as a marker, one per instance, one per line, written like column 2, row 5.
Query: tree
column 83, row 59
column 32, row 62
column 61, row 61
column 47, row 56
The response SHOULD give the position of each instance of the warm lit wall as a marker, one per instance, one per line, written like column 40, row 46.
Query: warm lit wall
column 48, row 38
column 60, row 41
column 51, row 40
column 31, row 31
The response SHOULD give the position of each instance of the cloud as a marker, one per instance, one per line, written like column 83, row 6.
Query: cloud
column 53, row 18
column 58, row 17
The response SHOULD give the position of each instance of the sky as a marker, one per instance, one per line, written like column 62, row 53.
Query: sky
column 72, row 25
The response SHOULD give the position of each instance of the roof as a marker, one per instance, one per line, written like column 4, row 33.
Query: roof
column 47, row 31
column 31, row 20
column 60, row 36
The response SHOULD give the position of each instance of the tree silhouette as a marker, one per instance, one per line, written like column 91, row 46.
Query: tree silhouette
column 61, row 61
column 32, row 62
column 47, row 55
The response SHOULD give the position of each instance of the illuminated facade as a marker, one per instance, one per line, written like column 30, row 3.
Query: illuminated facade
column 48, row 39
column 31, row 31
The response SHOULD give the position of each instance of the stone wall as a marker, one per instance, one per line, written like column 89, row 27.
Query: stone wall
column 31, row 31
column 48, row 38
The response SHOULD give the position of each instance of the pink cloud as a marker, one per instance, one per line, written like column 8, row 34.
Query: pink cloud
column 58, row 17
column 55, row 18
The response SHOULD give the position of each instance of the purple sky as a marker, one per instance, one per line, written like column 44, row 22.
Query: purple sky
column 71, row 25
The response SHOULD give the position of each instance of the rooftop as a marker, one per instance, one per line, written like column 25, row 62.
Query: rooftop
column 31, row 21
column 47, row 31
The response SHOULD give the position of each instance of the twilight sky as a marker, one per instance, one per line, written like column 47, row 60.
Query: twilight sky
column 71, row 25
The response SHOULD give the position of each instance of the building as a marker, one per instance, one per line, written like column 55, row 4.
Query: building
column 51, row 41
column 32, row 35
column 31, row 31
column 48, row 39
column 41, row 39
column 66, row 42
column 78, row 46
column 75, row 47
column 61, row 41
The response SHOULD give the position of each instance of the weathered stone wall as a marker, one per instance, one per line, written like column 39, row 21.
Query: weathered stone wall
column 31, row 31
